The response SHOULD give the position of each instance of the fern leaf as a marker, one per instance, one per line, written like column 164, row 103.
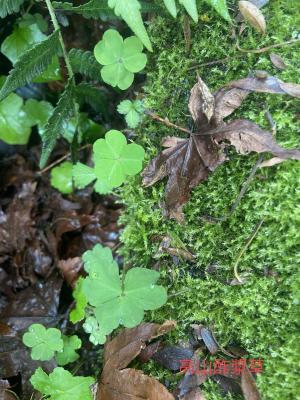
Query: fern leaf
column 171, row 7
column 62, row 113
column 91, row 9
column 31, row 64
column 191, row 8
column 221, row 7
column 84, row 62
column 130, row 12
column 95, row 97
column 9, row 6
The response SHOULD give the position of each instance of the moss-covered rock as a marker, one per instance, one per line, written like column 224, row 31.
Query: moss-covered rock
column 261, row 315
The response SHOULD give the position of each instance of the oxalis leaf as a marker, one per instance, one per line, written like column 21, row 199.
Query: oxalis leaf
column 114, row 159
column 132, row 110
column 62, row 113
column 62, row 385
column 118, row 303
column 121, row 58
column 130, row 12
column 31, row 64
column 68, row 354
column 44, row 342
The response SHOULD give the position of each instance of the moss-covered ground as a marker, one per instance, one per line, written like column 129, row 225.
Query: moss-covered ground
column 263, row 314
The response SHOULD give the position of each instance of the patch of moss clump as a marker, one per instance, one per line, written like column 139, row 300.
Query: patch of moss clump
column 261, row 315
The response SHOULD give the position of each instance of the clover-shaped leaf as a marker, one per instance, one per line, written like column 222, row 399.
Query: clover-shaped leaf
column 78, row 313
column 68, row 355
column 61, row 177
column 114, row 159
column 119, row 303
column 120, row 58
column 44, row 342
column 92, row 327
column 62, row 385
column 132, row 110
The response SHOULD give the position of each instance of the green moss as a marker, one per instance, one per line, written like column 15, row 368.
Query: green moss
column 261, row 315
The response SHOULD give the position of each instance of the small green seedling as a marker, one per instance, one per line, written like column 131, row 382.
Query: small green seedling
column 117, row 302
column 133, row 111
column 44, row 342
column 92, row 327
column 68, row 355
column 121, row 58
column 61, row 177
column 62, row 385
column 114, row 159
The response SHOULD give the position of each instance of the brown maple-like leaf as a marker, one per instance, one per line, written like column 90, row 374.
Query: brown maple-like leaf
column 118, row 382
column 188, row 162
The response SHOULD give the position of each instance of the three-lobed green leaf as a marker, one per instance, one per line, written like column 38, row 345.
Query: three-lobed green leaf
column 44, row 342
column 62, row 385
column 132, row 110
column 68, row 354
column 120, row 58
column 114, row 159
column 116, row 303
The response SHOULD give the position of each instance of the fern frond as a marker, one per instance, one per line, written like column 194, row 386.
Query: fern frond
column 95, row 97
column 9, row 6
column 191, row 8
column 130, row 12
column 31, row 64
column 91, row 9
column 84, row 62
column 62, row 113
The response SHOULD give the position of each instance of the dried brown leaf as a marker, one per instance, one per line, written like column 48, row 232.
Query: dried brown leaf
column 170, row 357
column 186, row 165
column 201, row 102
column 249, row 387
column 278, row 61
column 270, row 84
column 246, row 137
column 272, row 161
column 194, row 394
column 70, row 269
column 253, row 15
column 117, row 381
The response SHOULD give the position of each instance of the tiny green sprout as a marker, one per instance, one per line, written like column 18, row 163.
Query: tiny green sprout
column 62, row 385
column 132, row 110
column 120, row 58
column 114, row 159
column 68, row 354
column 61, row 177
column 44, row 342
column 92, row 327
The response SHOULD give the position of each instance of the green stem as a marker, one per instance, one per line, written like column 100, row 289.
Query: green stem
column 57, row 28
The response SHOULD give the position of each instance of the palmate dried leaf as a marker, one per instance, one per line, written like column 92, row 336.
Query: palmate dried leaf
column 188, row 162
column 118, row 382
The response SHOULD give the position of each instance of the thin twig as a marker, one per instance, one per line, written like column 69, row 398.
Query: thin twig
column 59, row 160
column 220, row 61
column 237, row 201
column 264, row 49
column 249, row 241
column 166, row 122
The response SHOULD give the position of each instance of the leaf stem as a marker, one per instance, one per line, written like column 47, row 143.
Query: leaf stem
column 166, row 122
column 249, row 241
column 264, row 49
column 61, row 40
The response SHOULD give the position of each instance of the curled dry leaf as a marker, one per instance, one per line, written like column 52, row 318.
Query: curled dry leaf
column 249, row 387
column 278, row 61
column 270, row 84
column 272, row 161
column 188, row 162
column 253, row 16
column 118, row 382
column 70, row 269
